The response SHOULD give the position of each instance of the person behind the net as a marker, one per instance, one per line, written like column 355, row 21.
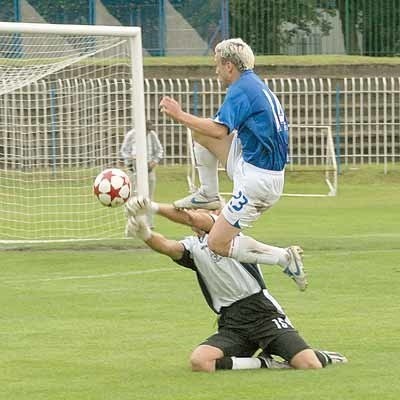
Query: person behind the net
column 249, row 136
column 155, row 153
column 250, row 318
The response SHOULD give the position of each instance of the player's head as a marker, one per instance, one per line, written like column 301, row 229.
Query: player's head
column 237, row 52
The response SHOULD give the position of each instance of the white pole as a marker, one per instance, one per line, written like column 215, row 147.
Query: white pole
column 138, row 113
column 385, row 131
column 64, row 29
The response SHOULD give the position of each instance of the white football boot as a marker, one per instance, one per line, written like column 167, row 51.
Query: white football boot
column 198, row 200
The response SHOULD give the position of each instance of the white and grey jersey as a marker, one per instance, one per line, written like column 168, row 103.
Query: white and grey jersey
column 223, row 280
column 155, row 151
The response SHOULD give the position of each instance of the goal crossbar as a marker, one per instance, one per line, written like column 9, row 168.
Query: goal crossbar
column 64, row 29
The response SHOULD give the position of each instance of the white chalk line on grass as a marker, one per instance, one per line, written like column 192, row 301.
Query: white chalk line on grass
column 111, row 275
column 363, row 235
column 169, row 269
column 99, row 276
column 349, row 252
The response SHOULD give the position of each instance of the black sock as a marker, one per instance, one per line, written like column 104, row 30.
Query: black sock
column 323, row 359
column 223, row 363
column 263, row 362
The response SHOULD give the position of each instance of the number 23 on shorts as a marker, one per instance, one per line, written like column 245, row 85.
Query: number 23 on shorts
column 238, row 201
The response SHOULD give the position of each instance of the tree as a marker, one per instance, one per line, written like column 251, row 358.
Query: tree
column 269, row 26
column 371, row 27
column 7, row 11
column 62, row 11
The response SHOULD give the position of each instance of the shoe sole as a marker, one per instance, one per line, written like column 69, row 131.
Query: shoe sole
column 211, row 205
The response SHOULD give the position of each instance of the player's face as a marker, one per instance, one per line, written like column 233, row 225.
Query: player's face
column 222, row 70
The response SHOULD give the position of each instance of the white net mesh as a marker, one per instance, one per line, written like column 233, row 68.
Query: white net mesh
column 65, row 105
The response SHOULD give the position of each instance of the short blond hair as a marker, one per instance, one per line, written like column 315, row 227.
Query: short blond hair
column 237, row 52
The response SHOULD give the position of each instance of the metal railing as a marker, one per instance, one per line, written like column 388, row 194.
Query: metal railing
column 363, row 113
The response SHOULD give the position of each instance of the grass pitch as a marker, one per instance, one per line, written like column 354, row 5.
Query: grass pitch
column 119, row 322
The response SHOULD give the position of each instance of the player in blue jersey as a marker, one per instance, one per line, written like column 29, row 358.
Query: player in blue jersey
column 249, row 136
column 250, row 318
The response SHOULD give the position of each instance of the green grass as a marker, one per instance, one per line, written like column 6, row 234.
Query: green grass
column 273, row 60
column 119, row 322
column 316, row 59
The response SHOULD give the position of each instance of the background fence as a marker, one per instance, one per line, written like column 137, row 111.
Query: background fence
column 173, row 27
column 363, row 113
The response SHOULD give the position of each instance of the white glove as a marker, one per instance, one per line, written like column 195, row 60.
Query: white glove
column 137, row 228
column 140, row 206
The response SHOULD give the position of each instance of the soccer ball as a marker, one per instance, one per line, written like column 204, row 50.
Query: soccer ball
column 112, row 187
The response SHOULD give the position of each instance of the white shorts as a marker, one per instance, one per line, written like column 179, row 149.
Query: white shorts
column 254, row 189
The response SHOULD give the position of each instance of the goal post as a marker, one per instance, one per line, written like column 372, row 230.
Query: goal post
column 68, row 95
column 311, row 154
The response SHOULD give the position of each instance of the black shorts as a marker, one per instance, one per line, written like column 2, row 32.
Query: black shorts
column 255, row 323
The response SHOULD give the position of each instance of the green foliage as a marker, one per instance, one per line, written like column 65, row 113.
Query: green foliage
column 269, row 26
column 63, row 11
column 369, row 27
column 7, row 12
column 378, row 23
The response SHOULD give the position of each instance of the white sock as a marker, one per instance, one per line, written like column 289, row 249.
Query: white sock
column 207, row 167
column 246, row 363
column 249, row 250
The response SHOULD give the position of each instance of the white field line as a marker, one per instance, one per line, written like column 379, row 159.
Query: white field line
column 99, row 276
column 309, row 254
column 349, row 252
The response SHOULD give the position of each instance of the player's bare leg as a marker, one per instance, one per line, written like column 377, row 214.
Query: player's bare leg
column 207, row 358
column 225, row 241
column 306, row 359
column 203, row 358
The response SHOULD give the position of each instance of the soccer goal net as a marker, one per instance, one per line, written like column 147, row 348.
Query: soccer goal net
column 312, row 168
column 68, row 95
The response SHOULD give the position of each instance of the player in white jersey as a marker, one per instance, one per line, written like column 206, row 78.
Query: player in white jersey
column 250, row 319
column 249, row 136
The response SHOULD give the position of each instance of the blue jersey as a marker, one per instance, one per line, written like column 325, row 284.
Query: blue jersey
column 255, row 113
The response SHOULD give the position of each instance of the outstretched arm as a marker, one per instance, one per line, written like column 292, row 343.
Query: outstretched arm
column 156, row 241
column 161, row 244
column 195, row 219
